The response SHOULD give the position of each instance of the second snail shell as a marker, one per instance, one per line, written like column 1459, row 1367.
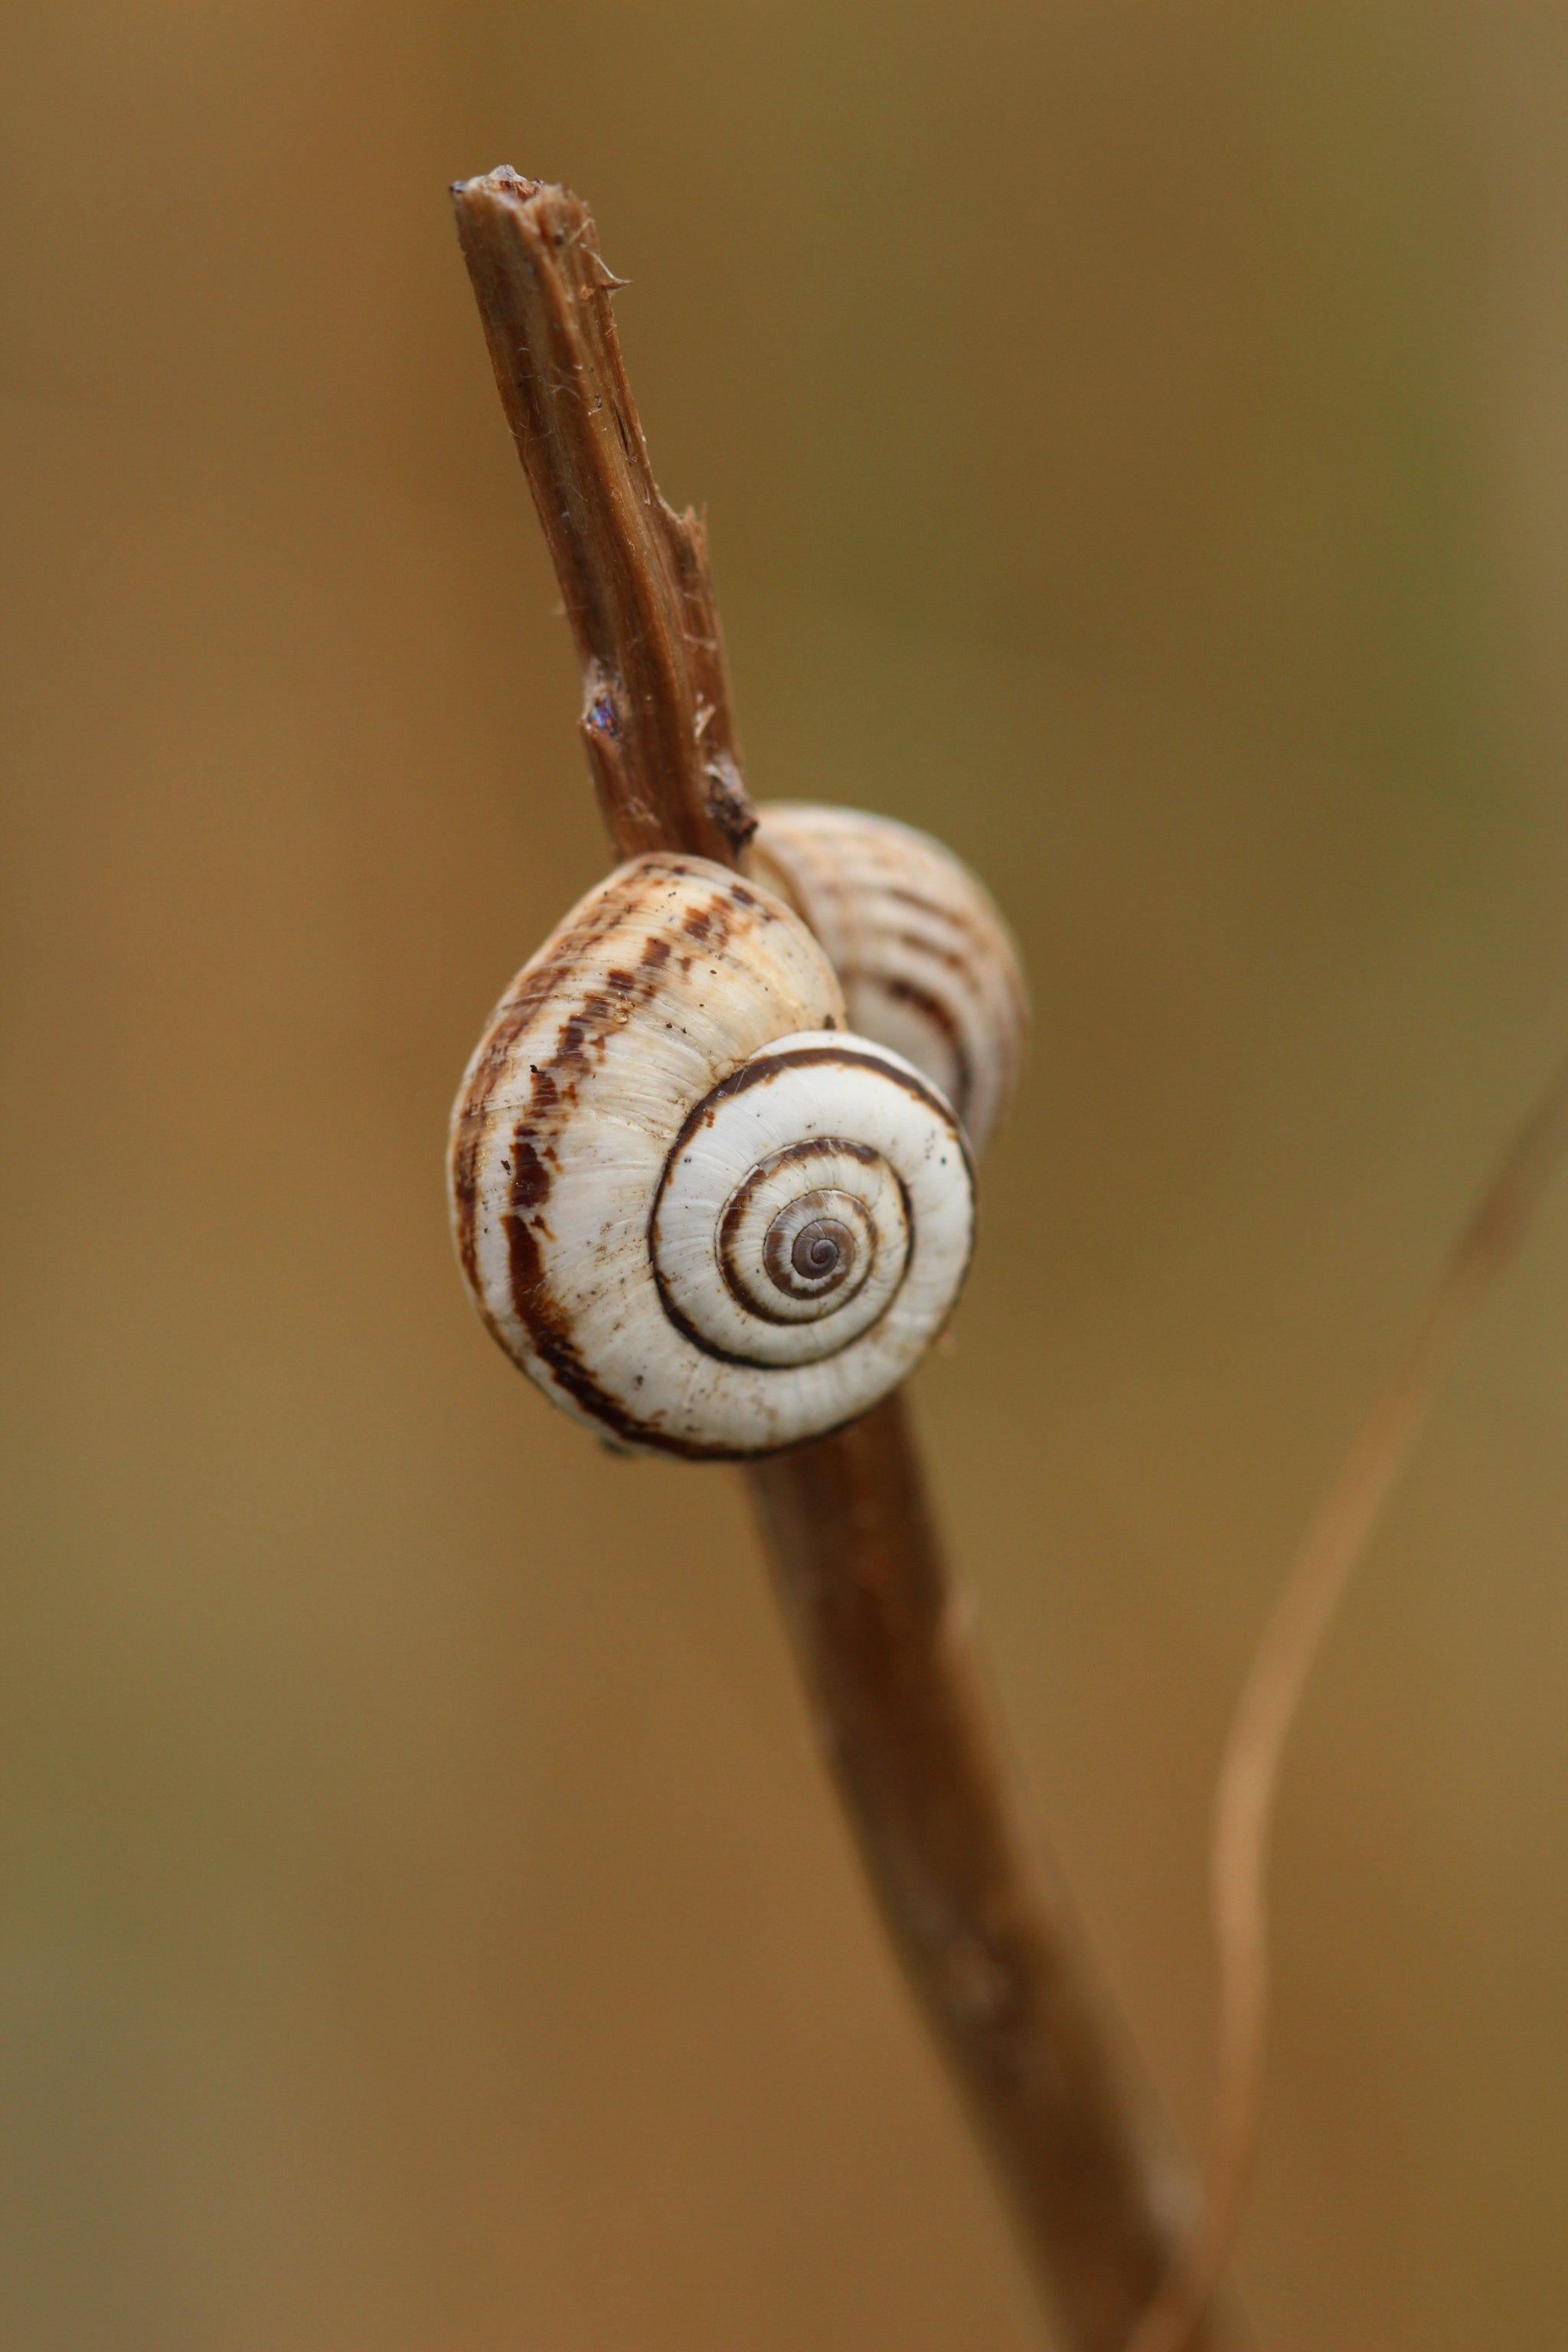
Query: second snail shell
column 694, row 1206
column 925, row 959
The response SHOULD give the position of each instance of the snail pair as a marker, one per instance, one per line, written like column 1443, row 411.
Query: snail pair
column 711, row 1162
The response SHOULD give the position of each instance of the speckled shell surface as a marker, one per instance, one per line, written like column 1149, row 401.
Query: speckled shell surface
column 926, row 962
column 696, row 1211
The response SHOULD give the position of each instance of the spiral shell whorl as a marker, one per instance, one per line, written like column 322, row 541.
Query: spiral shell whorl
column 926, row 962
column 696, row 1212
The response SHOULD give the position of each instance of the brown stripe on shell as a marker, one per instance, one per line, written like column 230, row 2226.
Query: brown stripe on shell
column 549, row 975
column 977, row 935
column 922, row 943
column 581, row 1038
column 581, row 1043
column 470, row 1115
column 761, row 1067
column 550, row 1331
column 933, row 1009
column 905, row 921
column 977, row 931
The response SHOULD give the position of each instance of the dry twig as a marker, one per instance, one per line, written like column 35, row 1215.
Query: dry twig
column 882, row 1644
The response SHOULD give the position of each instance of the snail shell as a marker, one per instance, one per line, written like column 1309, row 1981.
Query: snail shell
column 927, row 965
column 694, row 1209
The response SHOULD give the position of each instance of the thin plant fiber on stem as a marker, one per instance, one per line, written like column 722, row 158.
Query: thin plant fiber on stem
column 1250, row 1773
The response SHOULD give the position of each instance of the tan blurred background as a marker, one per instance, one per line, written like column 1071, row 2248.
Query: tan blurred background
column 1135, row 440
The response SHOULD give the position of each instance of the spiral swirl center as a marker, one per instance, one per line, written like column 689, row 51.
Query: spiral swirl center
column 819, row 1247
column 798, row 1255
column 809, row 1257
